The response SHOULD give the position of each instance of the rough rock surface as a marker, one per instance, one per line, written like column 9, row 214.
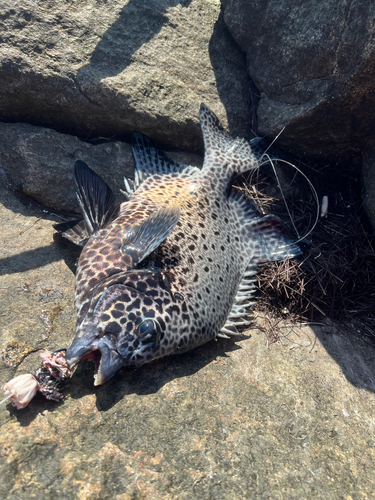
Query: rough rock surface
column 232, row 419
column 368, row 181
column 108, row 68
column 39, row 163
column 314, row 65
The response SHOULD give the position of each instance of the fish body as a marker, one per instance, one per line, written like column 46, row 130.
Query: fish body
column 173, row 267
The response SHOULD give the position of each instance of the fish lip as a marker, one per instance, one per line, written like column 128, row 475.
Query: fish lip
column 101, row 352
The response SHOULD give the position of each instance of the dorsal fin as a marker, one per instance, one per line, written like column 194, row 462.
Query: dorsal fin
column 97, row 201
column 221, row 149
column 150, row 160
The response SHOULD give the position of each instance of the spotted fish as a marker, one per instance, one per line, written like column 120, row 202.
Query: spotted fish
column 173, row 267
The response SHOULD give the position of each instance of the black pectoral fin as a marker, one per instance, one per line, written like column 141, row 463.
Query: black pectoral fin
column 97, row 201
column 145, row 238
column 75, row 231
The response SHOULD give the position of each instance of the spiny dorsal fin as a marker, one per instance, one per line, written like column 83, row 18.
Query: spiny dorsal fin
column 143, row 239
column 221, row 148
column 150, row 160
column 97, row 201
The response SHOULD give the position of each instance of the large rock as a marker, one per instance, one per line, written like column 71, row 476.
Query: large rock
column 314, row 65
column 108, row 68
column 39, row 163
column 233, row 419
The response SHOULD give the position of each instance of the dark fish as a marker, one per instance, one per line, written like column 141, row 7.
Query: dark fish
column 173, row 267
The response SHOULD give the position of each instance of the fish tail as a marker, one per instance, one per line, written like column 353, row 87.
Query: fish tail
column 273, row 243
column 221, row 150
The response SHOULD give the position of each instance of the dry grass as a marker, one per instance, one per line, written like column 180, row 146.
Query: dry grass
column 335, row 279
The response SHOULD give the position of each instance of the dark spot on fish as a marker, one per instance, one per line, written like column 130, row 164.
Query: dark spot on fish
column 206, row 269
column 113, row 327
column 195, row 279
column 186, row 317
column 116, row 314
column 207, row 290
column 105, row 317
column 226, row 220
column 191, row 247
column 214, row 216
column 141, row 286
column 223, row 248
column 151, row 282
column 201, row 225
column 148, row 313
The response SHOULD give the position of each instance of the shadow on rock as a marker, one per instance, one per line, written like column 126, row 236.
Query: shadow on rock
column 137, row 23
column 31, row 259
column 233, row 83
column 147, row 379
column 353, row 352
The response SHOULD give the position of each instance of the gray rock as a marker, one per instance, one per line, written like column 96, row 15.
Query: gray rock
column 314, row 65
column 232, row 419
column 109, row 68
column 39, row 163
column 368, row 182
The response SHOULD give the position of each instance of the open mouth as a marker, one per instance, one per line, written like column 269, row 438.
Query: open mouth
column 103, row 354
column 95, row 357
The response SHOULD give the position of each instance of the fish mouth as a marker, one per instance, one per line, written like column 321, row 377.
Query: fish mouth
column 101, row 352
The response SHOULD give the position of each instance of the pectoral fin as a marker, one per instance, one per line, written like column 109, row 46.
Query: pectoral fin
column 143, row 239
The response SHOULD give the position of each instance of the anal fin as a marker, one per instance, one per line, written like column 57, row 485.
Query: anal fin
column 74, row 231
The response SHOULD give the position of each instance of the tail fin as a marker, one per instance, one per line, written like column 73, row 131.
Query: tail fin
column 272, row 243
column 221, row 150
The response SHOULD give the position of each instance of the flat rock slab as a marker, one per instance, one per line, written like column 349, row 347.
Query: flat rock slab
column 39, row 163
column 109, row 68
column 228, row 420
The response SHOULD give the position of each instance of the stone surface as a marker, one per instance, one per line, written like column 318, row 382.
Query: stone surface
column 314, row 66
column 107, row 68
column 368, row 182
column 232, row 419
column 39, row 163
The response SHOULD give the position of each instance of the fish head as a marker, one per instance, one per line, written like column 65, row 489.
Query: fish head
column 122, row 323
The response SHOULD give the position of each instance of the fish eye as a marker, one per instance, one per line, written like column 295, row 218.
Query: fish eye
column 148, row 331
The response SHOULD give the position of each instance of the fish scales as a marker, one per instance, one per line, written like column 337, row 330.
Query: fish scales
column 171, row 268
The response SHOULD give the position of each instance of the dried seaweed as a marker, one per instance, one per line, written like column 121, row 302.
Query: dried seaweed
column 335, row 279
